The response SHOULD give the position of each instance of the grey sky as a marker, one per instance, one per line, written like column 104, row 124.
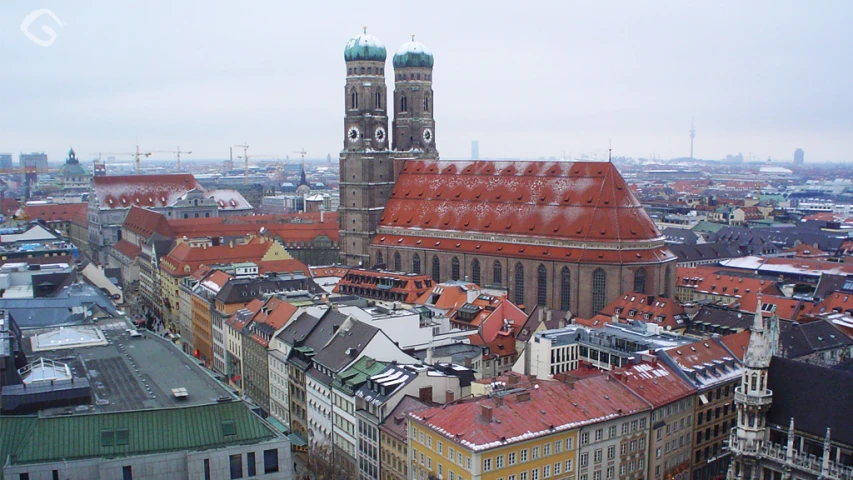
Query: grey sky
column 761, row 77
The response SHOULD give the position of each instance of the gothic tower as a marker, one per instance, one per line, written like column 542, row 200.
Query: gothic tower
column 366, row 169
column 752, row 399
column 414, row 127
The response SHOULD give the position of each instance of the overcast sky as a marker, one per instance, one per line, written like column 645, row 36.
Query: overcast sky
column 758, row 77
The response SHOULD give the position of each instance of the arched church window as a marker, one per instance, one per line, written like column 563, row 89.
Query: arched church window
column 541, row 285
column 497, row 273
column 404, row 104
column 353, row 99
column 668, row 280
column 369, row 70
column 362, row 70
column 475, row 271
column 640, row 280
column 398, row 262
column 565, row 288
column 454, row 269
column 436, row 269
column 379, row 258
column 378, row 99
column 426, row 103
column 416, row 264
column 519, row 284
column 599, row 290
column 419, row 76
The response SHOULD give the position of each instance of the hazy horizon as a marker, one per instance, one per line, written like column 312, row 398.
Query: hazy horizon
column 762, row 78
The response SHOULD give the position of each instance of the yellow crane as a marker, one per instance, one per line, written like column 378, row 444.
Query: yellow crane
column 177, row 153
column 135, row 156
column 246, row 158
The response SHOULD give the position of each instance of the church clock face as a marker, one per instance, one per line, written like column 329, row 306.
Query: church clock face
column 352, row 134
column 380, row 135
column 427, row 135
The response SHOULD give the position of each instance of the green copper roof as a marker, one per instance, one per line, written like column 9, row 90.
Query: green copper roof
column 140, row 432
column 413, row 54
column 352, row 378
column 365, row 47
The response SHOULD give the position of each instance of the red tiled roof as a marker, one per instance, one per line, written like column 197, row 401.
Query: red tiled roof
column 383, row 285
column 329, row 271
column 448, row 296
column 635, row 306
column 786, row 308
column 146, row 222
column 9, row 206
column 293, row 228
column 553, row 406
column 807, row 251
column 184, row 255
column 737, row 343
column 655, row 382
column 60, row 212
column 581, row 201
column 501, row 249
column 714, row 281
column 127, row 249
column 275, row 312
column 122, row 191
column 282, row 266
column 836, row 301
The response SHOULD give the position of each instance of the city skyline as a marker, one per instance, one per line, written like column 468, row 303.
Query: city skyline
column 759, row 78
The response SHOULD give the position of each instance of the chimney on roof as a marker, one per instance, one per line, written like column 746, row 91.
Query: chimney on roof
column 522, row 396
column 548, row 315
column 425, row 394
column 449, row 396
column 512, row 380
column 650, row 300
column 486, row 412
column 499, row 401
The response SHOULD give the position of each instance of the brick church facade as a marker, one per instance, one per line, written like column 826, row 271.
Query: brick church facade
column 571, row 236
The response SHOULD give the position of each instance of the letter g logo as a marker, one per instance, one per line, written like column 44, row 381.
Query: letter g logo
column 51, row 33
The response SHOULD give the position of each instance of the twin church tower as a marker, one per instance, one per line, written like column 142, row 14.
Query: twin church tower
column 373, row 155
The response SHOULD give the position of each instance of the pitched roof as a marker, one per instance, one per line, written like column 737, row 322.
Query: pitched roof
column 545, row 407
column 801, row 339
column 815, row 397
column 580, row 201
column 350, row 339
column 713, row 280
column 148, row 431
column 184, row 255
column 122, row 191
column 704, row 252
column 127, row 249
column 633, row 306
column 655, row 382
column 146, row 222
column 59, row 212
column 707, row 362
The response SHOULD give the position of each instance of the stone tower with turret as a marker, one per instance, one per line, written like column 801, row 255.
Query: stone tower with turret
column 366, row 167
column 414, row 126
column 753, row 399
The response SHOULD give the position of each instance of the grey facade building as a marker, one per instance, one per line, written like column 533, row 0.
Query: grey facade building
column 6, row 160
column 37, row 160
column 799, row 156
column 475, row 150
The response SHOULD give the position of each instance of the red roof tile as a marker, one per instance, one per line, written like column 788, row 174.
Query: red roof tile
column 122, row 191
column 535, row 252
column 183, row 255
column 552, row 407
column 60, row 212
column 127, row 249
column 146, row 222
column 655, row 382
column 632, row 306
column 581, row 201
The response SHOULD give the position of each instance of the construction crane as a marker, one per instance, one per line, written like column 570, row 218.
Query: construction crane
column 246, row 158
column 178, row 153
column 135, row 156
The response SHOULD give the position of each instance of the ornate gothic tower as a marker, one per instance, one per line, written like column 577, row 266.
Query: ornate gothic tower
column 367, row 174
column 414, row 127
column 752, row 399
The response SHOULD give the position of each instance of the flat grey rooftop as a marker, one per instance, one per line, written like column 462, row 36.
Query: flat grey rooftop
column 131, row 374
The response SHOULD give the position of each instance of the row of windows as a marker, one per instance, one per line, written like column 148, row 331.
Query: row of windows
column 627, row 427
column 362, row 71
column 414, row 76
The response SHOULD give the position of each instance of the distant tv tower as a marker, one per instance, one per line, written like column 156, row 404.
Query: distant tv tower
column 692, row 136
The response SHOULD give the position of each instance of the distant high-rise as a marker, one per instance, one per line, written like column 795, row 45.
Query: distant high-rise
column 475, row 150
column 36, row 160
column 799, row 156
column 692, row 136
column 5, row 160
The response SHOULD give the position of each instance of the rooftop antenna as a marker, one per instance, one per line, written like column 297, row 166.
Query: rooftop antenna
column 610, row 151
